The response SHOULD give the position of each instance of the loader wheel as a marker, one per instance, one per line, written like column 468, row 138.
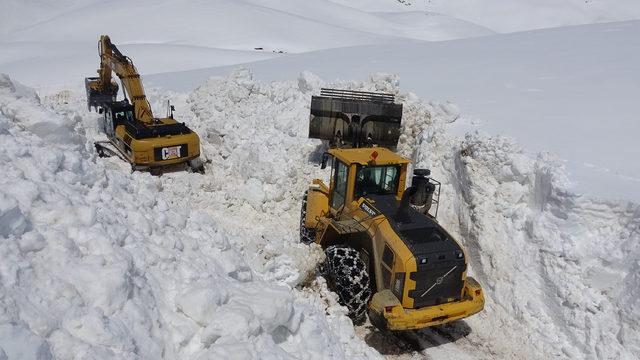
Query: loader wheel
column 307, row 235
column 349, row 277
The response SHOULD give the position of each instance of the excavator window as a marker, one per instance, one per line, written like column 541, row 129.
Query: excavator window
column 377, row 180
column 121, row 115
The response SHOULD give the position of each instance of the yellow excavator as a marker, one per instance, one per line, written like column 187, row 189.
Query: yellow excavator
column 386, row 254
column 147, row 142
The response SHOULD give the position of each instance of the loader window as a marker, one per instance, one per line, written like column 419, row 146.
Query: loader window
column 339, row 184
column 387, row 256
column 387, row 260
column 378, row 180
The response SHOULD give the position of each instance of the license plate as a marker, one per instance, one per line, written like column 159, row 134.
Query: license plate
column 171, row 152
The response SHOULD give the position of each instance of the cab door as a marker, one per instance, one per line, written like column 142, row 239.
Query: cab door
column 339, row 189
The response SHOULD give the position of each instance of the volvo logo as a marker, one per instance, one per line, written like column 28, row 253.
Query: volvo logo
column 438, row 281
column 368, row 209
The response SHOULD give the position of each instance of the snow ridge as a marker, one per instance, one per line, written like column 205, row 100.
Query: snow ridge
column 102, row 263
column 558, row 268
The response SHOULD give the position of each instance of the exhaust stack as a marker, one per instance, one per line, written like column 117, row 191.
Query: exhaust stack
column 425, row 187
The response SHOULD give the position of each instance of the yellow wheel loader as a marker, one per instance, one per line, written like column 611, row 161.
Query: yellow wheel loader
column 147, row 142
column 386, row 254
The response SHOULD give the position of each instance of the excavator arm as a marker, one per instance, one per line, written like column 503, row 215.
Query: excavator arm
column 103, row 89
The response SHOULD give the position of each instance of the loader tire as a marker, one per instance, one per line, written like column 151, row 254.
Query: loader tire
column 348, row 275
column 307, row 235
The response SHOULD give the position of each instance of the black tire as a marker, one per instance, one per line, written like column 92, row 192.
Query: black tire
column 348, row 275
column 307, row 235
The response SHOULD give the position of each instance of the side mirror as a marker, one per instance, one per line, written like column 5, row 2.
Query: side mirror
column 100, row 110
column 325, row 158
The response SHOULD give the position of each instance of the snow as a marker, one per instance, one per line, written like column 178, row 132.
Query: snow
column 575, row 102
column 98, row 262
column 65, row 63
column 63, row 43
column 183, row 275
column 555, row 264
column 510, row 16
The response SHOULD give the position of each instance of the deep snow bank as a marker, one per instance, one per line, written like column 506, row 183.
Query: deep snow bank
column 558, row 267
column 104, row 263
column 560, row 270
column 101, row 263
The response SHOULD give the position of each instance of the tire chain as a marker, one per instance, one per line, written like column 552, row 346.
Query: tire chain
column 350, row 277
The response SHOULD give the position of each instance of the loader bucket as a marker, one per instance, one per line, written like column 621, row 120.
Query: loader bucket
column 95, row 97
column 355, row 118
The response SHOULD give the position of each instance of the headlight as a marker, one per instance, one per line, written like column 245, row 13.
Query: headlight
column 423, row 260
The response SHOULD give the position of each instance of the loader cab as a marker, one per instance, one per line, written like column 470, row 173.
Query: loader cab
column 377, row 180
column 364, row 172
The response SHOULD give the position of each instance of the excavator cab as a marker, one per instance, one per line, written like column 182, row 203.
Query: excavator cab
column 115, row 114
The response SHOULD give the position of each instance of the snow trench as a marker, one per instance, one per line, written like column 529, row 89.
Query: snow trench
column 98, row 262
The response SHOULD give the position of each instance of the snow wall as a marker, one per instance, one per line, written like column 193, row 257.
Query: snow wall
column 98, row 262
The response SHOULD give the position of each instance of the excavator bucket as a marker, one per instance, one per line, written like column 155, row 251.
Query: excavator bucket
column 95, row 97
column 355, row 118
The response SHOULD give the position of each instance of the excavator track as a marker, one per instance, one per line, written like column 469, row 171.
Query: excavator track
column 106, row 148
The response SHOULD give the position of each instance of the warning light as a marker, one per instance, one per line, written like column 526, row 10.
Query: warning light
column 374, row 155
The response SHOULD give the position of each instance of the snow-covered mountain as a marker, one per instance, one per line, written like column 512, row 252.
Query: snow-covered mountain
column 98, row 262
column 509, row 15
